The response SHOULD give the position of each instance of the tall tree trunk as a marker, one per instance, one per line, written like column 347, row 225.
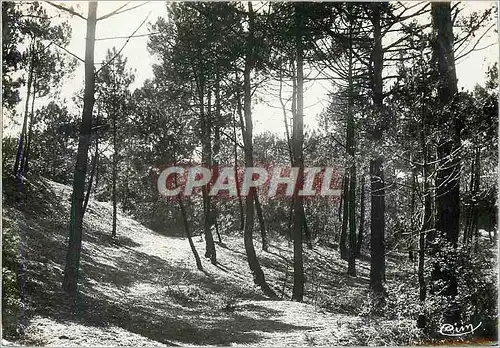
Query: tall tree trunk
column 216, row 149
column 70, row 281
column 22, row 137
column 298, row 143
column 114, row 175
column 216, row 224
column 260, row 217
column 253, row 262
column 340, row 214
column 206, row 154
column 352, row 223
column 377, row 225
column 470, row 208
column 352, row 160
column 413, row 193
column 345, row 216
column 25, row 160
column 89, row 186
column 238, row 192
column 448, row 173
column 361, row 217
column 94, row 164
column 307, row 232
column 290, row 218
column 426, row 224
column 477, row 182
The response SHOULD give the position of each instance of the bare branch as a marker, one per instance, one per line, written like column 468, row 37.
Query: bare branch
column 125, row 44
column 63, row 8
column 113, row 12
column 68, row 52
column 117, row 11
column 126, row 37
column 477, row 43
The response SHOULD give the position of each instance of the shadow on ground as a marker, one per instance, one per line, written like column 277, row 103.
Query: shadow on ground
column 141, row 293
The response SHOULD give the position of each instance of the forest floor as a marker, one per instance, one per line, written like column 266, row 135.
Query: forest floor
column 143, row 289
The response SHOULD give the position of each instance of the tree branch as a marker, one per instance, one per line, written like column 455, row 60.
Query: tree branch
column 117, row 11
column 125, row 44
column 70, row 11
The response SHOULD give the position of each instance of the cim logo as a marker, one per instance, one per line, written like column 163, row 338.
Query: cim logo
column 458, row 330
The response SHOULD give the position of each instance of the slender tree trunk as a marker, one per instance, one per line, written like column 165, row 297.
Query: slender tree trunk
column 352, row 159
column 240, row 200
column 470, row 208
column 298, row 141
column 307, row 232
column 206, row 155
column 361, row 217
column 25, row 161
column 425, row 228
column 95, row 161
column 340, row 214
column 22, row 137
column 70, row 281
column 413, row 193
column 89, row 186
column 216, row 149
column 377, row 225
column 285, row 121
column 260, row 216
column 253, row 262
column 188, row 233
column 352, row 223
column 216, row 224
column 114, row 175
column 477, row 182
column 345, row 216
column 292, row 160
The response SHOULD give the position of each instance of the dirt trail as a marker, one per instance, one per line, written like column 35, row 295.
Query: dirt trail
column 144, row 289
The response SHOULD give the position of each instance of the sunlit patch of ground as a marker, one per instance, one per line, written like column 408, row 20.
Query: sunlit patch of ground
column 144, row 289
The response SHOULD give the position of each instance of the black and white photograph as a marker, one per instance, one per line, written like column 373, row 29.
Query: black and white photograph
column 250, row 173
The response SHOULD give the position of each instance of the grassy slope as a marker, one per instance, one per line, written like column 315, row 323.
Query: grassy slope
column 144, row 289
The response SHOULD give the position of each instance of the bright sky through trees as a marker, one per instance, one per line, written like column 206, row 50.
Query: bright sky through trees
column 268, row 114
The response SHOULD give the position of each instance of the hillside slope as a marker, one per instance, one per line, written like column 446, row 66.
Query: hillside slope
column 144, row 288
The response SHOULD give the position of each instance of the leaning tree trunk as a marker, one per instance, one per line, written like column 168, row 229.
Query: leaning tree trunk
column 377, row 225
column 253, row 262
column 188, row 233
column 70, row 281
